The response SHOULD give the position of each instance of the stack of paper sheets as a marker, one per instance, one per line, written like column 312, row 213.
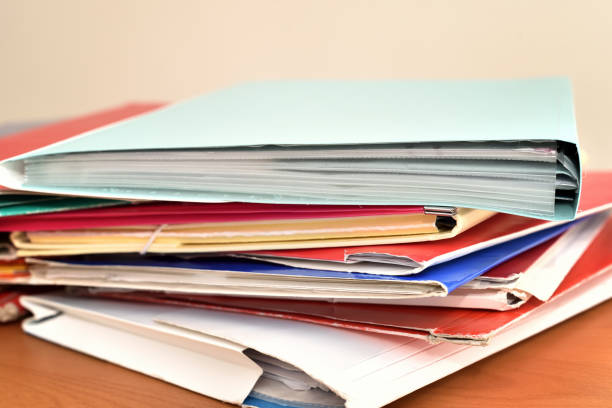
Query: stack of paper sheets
column 308, row 243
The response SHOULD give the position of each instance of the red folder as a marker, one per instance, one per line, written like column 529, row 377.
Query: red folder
column 26, row 141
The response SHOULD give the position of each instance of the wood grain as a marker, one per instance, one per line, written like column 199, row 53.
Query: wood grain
column 566, row 366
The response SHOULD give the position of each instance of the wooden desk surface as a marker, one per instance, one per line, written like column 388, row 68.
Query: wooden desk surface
column 567, row 366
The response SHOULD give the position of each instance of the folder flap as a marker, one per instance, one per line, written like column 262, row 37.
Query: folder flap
column 299, row 344
column 39, row 311
column 125, row 334
column 545, row 275
column 346, row 112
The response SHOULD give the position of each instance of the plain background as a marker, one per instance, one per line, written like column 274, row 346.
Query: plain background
column 64, row 57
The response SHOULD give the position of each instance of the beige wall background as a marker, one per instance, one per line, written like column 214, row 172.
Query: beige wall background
column 65, row 57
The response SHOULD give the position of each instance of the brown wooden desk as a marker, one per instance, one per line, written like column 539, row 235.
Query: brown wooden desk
column 569, row 365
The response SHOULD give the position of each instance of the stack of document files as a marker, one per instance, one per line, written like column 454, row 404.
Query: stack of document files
column 308, row 243
column 493, row 277
column 461, row 283
column 434, row 273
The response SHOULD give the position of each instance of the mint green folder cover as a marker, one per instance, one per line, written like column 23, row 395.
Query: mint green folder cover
column 324, row 112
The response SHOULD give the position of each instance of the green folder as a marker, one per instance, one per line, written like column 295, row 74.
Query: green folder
column 46, row 204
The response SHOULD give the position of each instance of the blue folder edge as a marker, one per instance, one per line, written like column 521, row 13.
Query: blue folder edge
column 259, row 400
